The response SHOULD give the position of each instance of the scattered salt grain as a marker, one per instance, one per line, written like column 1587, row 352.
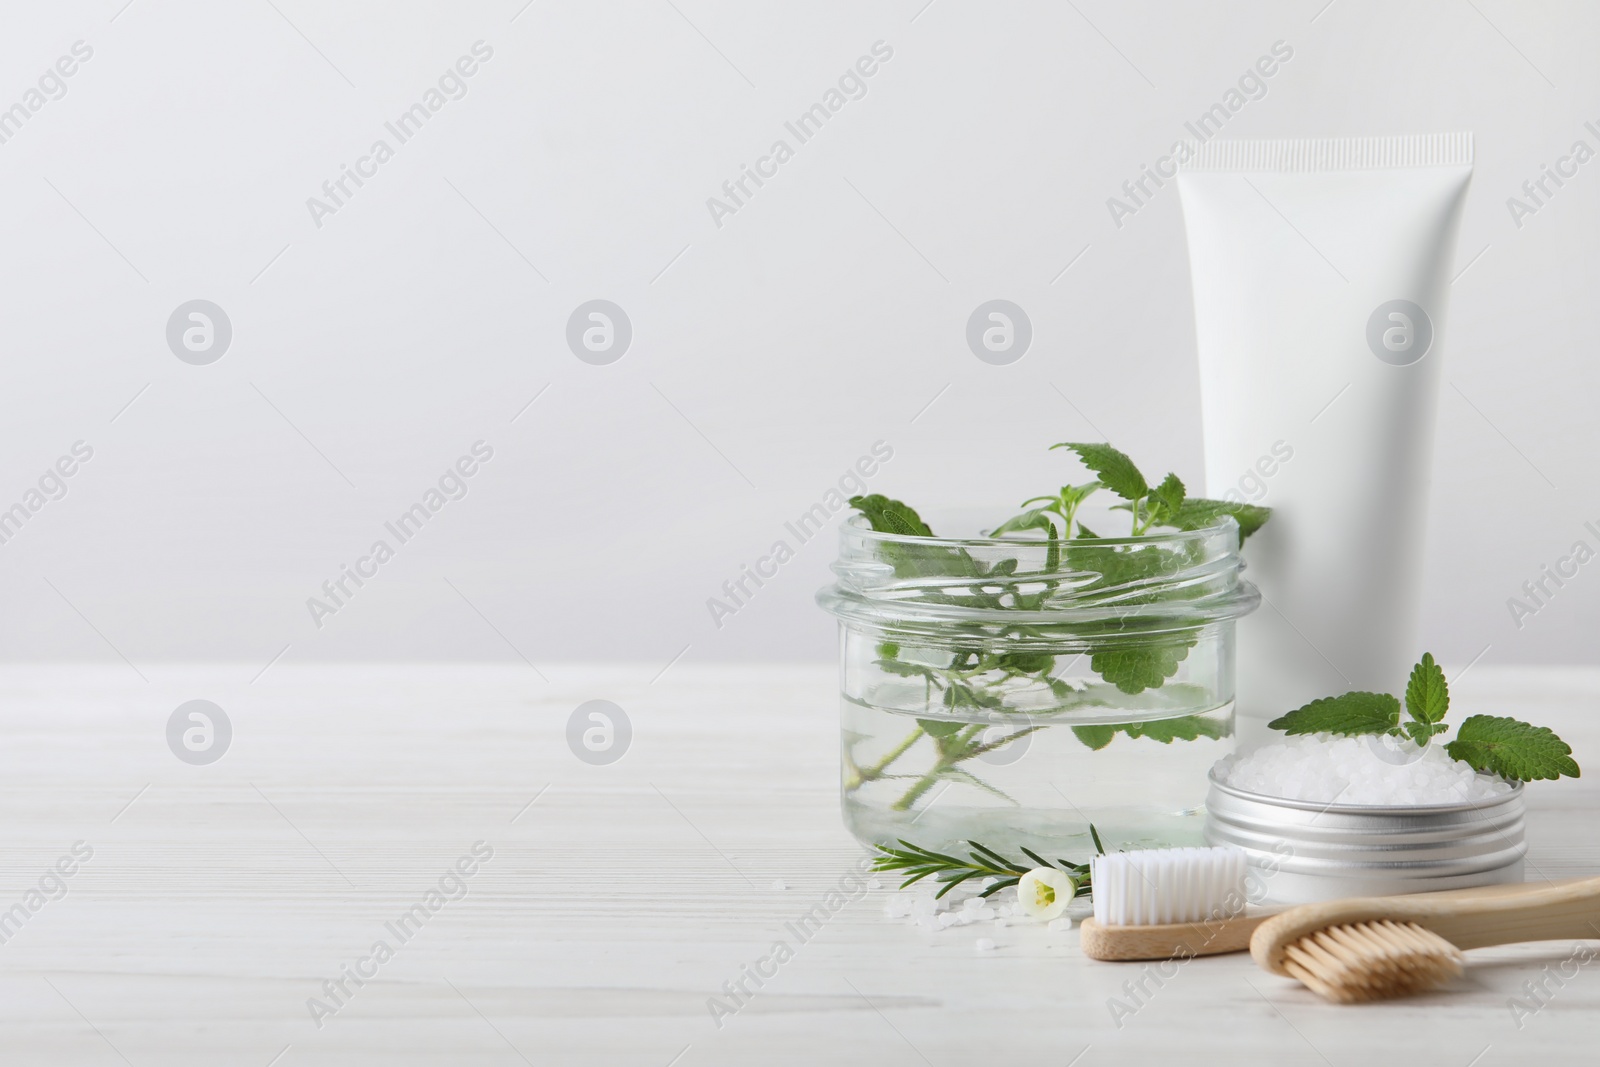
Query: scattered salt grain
column 873, row 883
column 1325, row 769
column 779, row 884
column 984, row 944
column 919, row 906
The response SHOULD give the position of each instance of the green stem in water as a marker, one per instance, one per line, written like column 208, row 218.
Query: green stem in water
column 921, row 786
column 899, row 750
column 959, row 748
column 950, row 751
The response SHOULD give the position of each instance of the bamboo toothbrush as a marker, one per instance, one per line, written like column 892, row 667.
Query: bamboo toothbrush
column 1378, row 947
column 1155, row 904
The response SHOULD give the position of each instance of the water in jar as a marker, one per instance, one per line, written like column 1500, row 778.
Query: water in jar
column 1008, row 781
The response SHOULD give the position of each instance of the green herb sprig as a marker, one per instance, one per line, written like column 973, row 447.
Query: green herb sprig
column 1515, row 750
column 1165, row 504
column 973, row 682
column 918, row 863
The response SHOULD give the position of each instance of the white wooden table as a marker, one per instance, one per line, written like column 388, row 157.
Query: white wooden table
column 220, row 898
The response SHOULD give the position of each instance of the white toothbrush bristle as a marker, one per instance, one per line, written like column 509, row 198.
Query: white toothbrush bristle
column 1153, row 887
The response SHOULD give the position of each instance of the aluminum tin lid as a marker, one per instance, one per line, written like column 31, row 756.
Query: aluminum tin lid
column 1308, row 850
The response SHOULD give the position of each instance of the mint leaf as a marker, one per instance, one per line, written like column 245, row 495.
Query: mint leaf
column 1073, row 495
column 1427, row 694
column 1036, row 519
column 960, row 696
column 886, row 515
column 1420, row 732
column 1025, row 662
column 1070, row 499
column 1124, row 573
column 1182, row 728
column 890, row 516
column 1166, row 731
column 1197, row 513
column 1135, row 668
column 1169, row 494
column 939, row 728
column 1512, row 749
column 1096, row 737
column 890, row 665
column 1121, row 649
column 1004, row 568
column 1115, row 470
column 1350, row 715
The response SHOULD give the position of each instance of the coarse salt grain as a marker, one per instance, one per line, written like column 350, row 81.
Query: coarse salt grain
column 920, row 906
column 1375, row 770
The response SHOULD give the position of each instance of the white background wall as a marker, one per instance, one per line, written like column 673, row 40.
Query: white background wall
column 768, row 353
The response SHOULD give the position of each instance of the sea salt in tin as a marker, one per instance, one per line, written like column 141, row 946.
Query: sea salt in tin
column 1301, row 851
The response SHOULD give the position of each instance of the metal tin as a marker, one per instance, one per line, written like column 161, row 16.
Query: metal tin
column 1301, row 851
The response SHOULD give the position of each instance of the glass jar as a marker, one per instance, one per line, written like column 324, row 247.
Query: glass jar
column 1014, row 690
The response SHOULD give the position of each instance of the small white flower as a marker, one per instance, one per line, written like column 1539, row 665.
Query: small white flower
column 1045, row 892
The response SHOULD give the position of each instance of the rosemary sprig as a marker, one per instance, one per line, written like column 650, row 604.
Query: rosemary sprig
column 918, row 863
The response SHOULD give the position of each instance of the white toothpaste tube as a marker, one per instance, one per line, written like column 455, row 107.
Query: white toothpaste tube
column 1321, row 273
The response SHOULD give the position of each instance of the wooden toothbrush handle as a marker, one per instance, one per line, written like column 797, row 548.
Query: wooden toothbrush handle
column 1168, row 941
column 1467, row 918
column 1549, row 912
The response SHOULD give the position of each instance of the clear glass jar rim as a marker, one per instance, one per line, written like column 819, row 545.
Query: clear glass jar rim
column 857, row 525
column 949, row 585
